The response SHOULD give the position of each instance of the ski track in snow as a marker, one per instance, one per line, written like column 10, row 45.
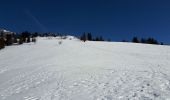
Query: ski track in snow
column 125, row 86
column 65, row 76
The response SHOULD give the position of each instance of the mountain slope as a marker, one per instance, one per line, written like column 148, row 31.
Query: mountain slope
column 84, row 70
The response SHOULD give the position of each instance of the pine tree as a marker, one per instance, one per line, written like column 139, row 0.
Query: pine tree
column 9, row 40
column 83, row 37
column 152, row 41
column 15, row 40
column 35, row 34
column 135, row 40
column 89, row 36
column 28, row 40
column 21, row 40
column 25, row 35
column 2, row 43
column 34, row 39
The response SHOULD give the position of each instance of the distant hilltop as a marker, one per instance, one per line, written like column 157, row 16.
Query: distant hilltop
column 3, row 32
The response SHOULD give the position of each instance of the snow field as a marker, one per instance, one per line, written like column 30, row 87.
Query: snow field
column 75, row 70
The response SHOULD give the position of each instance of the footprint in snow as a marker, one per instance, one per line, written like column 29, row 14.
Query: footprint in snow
column 30, row 98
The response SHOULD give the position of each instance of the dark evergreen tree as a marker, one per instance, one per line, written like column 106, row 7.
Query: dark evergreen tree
column 152, row 41
column 89, row 36
column 28, row 40
column 20, row 40
column 83, row 37
column 2, row 43
column 34, row 39
column 35, row 34
column 25, row 35
column 135, row 40
column 15, row 38
column 9, row 39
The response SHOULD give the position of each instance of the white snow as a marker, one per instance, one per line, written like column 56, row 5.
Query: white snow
column 75, row 70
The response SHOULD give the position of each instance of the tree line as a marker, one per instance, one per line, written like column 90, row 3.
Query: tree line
column 10, row 38
column 7, row 39
column 146, row 41
column 88, row 36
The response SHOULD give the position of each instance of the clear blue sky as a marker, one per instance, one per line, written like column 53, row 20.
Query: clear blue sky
column 114, row 19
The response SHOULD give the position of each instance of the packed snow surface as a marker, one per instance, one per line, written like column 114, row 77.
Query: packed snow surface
column 55, row 69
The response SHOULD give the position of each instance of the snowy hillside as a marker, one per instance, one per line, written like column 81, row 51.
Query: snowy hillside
column 78, row 70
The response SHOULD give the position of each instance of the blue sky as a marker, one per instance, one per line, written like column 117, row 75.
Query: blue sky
column 114, row 19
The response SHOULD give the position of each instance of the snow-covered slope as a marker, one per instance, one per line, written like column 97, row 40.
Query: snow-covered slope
column 78, row 70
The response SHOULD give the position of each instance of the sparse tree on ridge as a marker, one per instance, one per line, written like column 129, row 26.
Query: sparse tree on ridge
column 152, row 41
column 35, row 34
column 89, row 36
column 83, row 37
column 135, row 40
